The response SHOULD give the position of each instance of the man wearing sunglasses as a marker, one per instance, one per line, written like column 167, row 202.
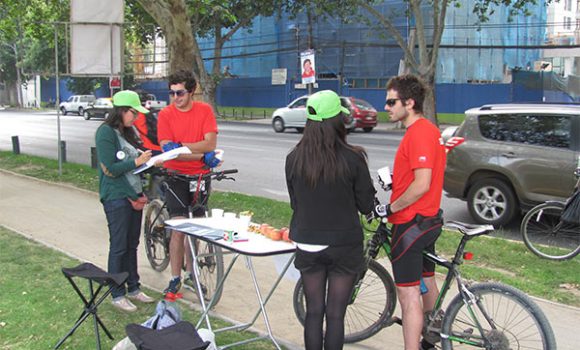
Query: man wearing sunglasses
column 192, row 124
column 415, row 204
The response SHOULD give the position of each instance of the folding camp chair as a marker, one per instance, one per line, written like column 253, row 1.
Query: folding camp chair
column 180, row 336
column 105, row 280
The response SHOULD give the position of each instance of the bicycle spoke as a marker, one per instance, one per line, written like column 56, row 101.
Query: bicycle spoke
column 506, row 320
column 546, row 236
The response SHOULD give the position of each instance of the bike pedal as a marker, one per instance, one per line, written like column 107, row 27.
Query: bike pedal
column 396, row 320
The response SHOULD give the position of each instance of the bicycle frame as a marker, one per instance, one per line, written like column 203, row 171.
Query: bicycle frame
column 452, row 274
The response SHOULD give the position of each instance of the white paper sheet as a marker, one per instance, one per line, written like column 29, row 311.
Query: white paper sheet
column 164, row 157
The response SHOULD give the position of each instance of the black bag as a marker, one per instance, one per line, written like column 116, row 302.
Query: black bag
column 571, row 213
column 151, row 122
column 180, row 336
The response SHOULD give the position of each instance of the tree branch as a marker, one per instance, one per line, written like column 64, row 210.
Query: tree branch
column 393, row 31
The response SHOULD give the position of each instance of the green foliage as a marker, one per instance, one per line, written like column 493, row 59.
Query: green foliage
column 27, row 36
column 85, row 86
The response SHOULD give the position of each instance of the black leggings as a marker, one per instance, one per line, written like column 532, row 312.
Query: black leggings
column 339, row 291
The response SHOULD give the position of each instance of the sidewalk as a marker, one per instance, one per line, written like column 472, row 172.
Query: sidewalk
column 72, row 221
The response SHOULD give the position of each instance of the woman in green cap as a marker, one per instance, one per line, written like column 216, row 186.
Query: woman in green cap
column 329, row 184
column 121, row 193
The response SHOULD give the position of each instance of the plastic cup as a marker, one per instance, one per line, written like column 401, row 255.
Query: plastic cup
column 229, row 216
column 244, row 223
column 217, row 213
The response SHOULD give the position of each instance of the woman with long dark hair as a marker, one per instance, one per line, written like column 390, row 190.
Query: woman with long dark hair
column 329, row 184
column 121, row 193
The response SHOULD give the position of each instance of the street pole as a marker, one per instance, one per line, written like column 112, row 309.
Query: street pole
column 310, row 46
column 56, row 78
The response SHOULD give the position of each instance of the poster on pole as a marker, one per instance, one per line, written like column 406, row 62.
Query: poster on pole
column 279, row 76
column 308, row 67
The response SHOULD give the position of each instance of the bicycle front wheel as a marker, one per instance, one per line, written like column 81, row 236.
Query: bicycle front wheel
column 370, row 311
column 210, row 261
column 546, row 236
column 502, row 317
column 156, row 236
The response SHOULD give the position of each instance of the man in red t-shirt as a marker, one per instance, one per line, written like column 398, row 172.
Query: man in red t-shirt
column 191, row 124
column 415, row 204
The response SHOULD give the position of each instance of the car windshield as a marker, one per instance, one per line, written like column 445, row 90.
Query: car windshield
column 300, row 103
column 362, row 104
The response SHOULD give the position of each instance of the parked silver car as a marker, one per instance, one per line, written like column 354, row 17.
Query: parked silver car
column 513, row 157
column 294, row 116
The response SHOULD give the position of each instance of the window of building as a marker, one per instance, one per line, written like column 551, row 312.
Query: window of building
column 567, row 23
column 540, row 130
column 568, row 5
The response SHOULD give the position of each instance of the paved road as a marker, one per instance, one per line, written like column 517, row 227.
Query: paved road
column 253, row 148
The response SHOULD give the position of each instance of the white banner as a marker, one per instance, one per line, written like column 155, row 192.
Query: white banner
column 96, row 36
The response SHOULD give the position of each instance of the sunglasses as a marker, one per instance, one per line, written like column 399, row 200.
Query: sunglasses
column 179, row 93
column 392, row 101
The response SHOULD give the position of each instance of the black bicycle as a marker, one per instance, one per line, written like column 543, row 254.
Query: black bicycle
column 483, row 315
column 157, row 234
column 547, row 235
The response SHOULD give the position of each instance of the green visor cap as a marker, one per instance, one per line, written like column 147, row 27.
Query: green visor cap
column 128, row 98
column 324, row 105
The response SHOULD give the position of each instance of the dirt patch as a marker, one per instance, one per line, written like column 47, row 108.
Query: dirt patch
column 27, row 167
column 502, row 271
column 570, row 288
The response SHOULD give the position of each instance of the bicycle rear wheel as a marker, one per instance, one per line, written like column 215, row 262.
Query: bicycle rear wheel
column 156, row 236
column 546, row 236
column 371, row 310
column 211, row 269
column 509, row 320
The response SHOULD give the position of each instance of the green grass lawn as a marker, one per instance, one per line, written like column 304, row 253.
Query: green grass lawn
column 495, row 258
column 38, row 306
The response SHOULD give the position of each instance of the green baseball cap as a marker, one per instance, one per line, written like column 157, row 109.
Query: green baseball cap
column 324, row 105
column 128, row 98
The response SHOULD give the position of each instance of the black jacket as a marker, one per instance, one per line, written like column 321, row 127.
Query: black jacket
column 328, row 213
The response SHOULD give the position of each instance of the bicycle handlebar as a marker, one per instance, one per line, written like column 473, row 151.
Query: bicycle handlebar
column 217, row 175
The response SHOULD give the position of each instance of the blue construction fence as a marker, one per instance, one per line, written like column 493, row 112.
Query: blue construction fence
column 451, row 98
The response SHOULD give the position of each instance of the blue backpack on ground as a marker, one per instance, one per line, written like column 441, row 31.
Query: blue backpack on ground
column 167, row 314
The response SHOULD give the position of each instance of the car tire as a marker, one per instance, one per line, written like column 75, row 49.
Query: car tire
column 278, row 124
column 491, row 201
column 81, row 111
column 300, row 130
column 63, row 110
column 86, row 115
column 368, row 129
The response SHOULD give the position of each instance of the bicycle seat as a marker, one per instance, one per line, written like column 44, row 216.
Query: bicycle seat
column 469, row 229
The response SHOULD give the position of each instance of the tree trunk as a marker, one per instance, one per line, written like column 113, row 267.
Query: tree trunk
column 429, row 105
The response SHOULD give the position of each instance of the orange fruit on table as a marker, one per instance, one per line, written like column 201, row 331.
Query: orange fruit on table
column 285, row 234
column 264, row 229
column 275, row 235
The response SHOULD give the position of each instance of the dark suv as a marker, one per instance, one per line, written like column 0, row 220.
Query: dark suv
column 513, row 157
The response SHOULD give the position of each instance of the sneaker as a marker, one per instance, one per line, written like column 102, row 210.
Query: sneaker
column 189, row 282
column 124, row 304
column 141, row 297
column 174, row 286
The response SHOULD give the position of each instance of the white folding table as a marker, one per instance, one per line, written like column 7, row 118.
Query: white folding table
column 208, row 229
